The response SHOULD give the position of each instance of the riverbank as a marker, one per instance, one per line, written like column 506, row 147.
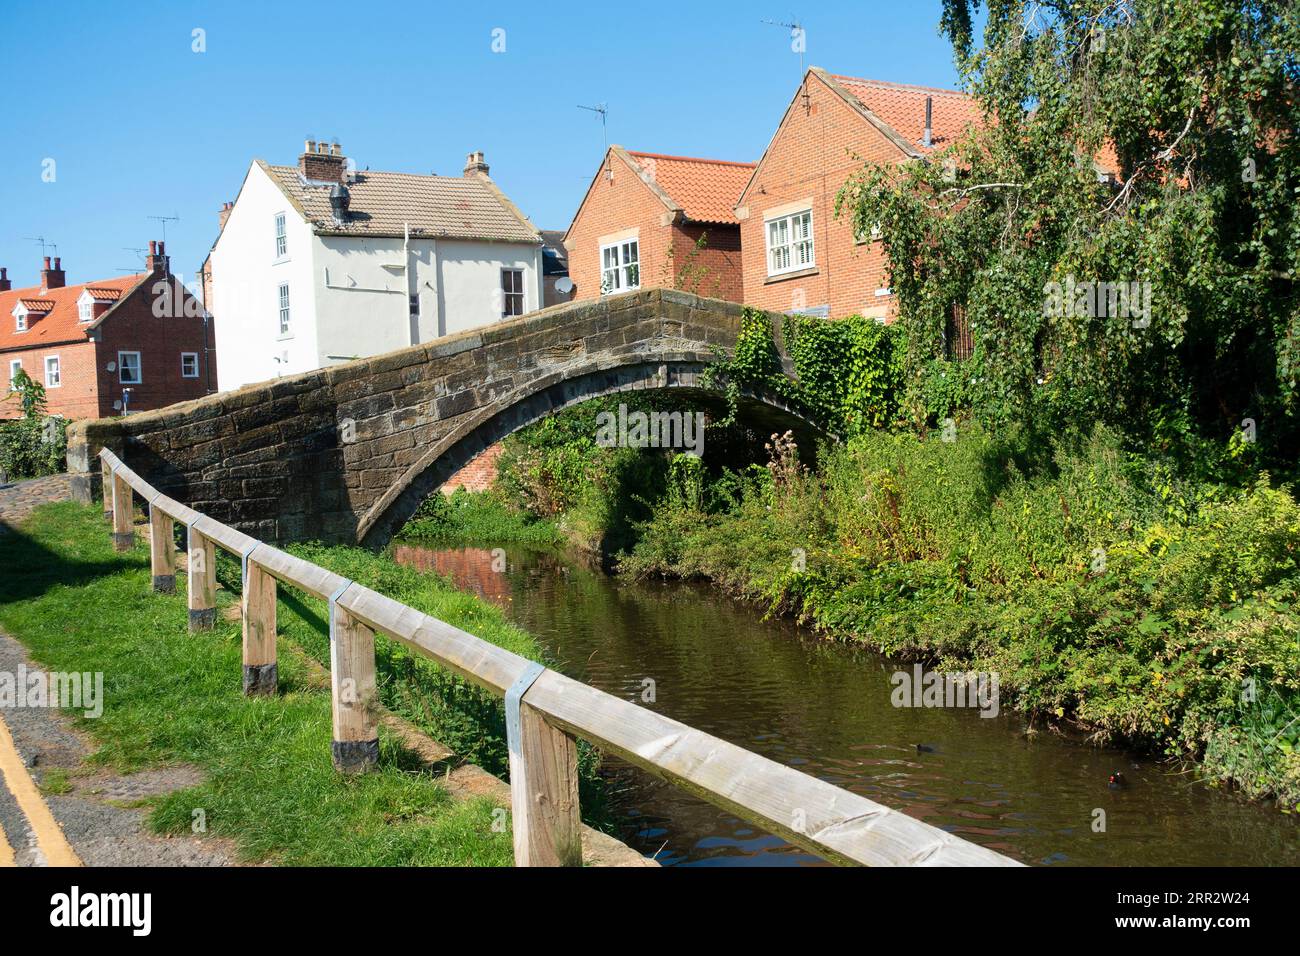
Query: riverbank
column 267, row 785
column 1146, row 612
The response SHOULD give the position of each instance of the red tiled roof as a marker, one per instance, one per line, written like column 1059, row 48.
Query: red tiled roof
column 101, row 294
column 706, row 189
column 37, row 305
column 62, row 323
column 902, row 106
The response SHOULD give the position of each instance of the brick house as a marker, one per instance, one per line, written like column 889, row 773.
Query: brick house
column 798, row 257
column 655, row 220
column 89, row 343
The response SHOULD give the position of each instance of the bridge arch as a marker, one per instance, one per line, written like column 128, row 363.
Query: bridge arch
column 680, row 374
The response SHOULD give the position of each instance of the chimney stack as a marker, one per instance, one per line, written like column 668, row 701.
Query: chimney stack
column 929, row 129
column 157, row 260
column 5, row 284
column 323, row 162
column 474, row 165
column 224, row 214
column 52, row 278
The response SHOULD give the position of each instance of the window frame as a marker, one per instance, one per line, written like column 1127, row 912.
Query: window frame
column 121, row 368
column 15, row 366
column 621, row 265
column 284, row 310
column 281, row 221
column 58, row 371
column 509, row 295
column 86, row 310
column 790, row 244
column 193, row 355
column 20, row 321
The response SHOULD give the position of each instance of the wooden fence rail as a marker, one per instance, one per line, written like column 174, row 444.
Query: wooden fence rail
column 546, row 712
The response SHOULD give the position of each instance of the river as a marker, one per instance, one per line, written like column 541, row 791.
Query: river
column 825, row 708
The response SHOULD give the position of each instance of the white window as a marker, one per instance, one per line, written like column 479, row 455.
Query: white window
column 189, row 365
column 512, row 292
column 790, row 243
column 284, row 308
column 281, row 242
column 85, row 310
column 52, row 377
column 128, row 368
column 15, row 366
column 620, row 267
column 20, row 318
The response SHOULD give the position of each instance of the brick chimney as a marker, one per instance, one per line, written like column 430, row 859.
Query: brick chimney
column 323, row 162
column 52, row 278
column 156, row 261
column 224, row 214
column 5, row 284
column 474, row 165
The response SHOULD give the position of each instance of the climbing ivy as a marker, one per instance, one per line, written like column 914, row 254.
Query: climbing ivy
column 847, row 372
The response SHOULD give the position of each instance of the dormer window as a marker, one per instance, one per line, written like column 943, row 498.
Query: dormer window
column 20, row 319
column 85, row 309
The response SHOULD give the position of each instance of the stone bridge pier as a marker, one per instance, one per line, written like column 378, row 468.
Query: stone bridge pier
column 348, row 452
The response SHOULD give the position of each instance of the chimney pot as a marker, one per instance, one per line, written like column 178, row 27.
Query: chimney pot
column 58, row 263
column 153, row 247
column 47, row 262
column 162, row 249
column 5, row 284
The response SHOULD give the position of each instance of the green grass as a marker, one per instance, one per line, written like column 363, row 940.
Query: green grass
column 175, row 697
column 477, row 517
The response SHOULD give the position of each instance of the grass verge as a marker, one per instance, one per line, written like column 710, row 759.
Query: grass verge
column 175, row 697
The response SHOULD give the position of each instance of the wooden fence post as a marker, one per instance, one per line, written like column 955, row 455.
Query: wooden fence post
column 123, row 533
column 162, row 550
column 106, row 477
column 544, row 807
column 261, row 674
column 354, row 690
column 202, row 580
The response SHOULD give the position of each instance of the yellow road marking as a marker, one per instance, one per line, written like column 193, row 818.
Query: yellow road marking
column 50, row 840
column 6, row 851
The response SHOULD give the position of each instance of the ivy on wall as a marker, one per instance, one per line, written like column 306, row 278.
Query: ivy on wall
column 846, row 372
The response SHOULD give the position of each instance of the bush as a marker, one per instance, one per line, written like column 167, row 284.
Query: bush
column 33, row 447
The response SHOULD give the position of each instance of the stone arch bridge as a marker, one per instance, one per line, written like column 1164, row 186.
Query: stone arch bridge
column 347, row 453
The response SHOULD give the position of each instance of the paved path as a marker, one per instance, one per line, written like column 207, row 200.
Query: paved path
column 18, row 500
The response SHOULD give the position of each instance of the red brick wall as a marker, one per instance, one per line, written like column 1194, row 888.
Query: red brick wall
column 814, row 152
column 76, row 397
column 720, row 260
column 133, row 327
column 478, row 475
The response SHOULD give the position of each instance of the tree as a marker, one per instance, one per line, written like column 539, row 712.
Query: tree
column 31, row 394
column 1196, row 241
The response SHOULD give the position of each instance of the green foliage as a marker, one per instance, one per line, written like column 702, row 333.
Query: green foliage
column 846, row 372
column 466, row 517
column 1101, row 590
column 1195, row 99
column 31, row 394
column 33, row 446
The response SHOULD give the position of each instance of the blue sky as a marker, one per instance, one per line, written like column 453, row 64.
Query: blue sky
column 140, row 125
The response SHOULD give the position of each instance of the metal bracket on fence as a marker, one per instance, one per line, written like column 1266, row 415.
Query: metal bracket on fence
column 243, row 562
column 514, row 695
column 333, row 603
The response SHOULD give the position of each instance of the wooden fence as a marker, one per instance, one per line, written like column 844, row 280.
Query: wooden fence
column 546, row 712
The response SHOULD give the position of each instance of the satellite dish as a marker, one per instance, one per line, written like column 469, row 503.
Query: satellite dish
column 112, row 366
column 564, row 285
column 117, row 404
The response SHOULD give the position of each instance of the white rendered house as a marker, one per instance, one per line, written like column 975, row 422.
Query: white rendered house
column 317, row 263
